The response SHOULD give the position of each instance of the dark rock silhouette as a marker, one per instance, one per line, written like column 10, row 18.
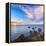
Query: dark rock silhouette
column 35, row 33
column 29, row 27
column 39, row 30
column 33, row 29
column 21, row 38
column 30, row 33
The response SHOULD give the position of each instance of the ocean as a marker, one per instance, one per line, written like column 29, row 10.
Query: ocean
column 17, row 30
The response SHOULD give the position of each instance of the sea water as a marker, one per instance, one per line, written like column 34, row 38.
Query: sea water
column 17, row 30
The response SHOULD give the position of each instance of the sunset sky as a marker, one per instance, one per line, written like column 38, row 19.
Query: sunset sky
column 29, row 14
column 21, row 15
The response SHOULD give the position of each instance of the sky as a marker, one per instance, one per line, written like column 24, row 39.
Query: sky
column 30, row 14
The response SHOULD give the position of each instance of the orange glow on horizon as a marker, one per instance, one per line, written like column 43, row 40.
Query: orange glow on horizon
column 14, row 23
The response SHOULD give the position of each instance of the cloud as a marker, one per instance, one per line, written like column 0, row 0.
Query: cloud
column 28, row 11
column 36, row 15
column 38, row 12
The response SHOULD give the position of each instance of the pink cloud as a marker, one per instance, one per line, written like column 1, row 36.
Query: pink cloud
column 38, row 12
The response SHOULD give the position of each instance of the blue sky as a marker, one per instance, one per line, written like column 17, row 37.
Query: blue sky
column 17, row 13
column 27, row 13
